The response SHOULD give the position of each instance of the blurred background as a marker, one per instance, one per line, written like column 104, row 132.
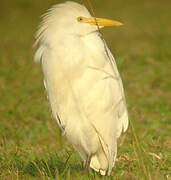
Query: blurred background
column 31, row 146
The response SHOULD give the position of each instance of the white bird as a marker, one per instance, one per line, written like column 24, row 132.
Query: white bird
column 82, row 82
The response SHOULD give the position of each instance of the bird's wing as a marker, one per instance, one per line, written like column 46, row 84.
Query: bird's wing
column 122, row 110
column 103, row 101
column 108, row 80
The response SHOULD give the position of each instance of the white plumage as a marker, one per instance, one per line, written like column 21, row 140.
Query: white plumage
column 82, row 83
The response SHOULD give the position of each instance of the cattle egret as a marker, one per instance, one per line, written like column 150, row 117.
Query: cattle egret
column 83, row 84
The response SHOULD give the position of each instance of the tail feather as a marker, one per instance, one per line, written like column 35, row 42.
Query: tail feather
column 104, row 159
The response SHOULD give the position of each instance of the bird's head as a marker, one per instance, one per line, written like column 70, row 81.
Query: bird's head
column 81, row 21
column 71, row 18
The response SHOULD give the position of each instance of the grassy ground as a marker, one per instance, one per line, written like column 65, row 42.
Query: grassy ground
column 31, row 146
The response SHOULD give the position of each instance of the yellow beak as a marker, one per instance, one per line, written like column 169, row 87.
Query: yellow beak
column 99, row 21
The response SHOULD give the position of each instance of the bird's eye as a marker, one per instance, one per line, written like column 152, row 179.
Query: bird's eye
column 79, row 19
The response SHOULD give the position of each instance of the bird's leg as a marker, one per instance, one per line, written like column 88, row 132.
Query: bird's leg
column 87, row 164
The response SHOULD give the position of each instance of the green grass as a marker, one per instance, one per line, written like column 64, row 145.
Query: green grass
column 31, row 146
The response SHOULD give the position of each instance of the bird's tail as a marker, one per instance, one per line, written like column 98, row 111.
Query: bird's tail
column 104, row 159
